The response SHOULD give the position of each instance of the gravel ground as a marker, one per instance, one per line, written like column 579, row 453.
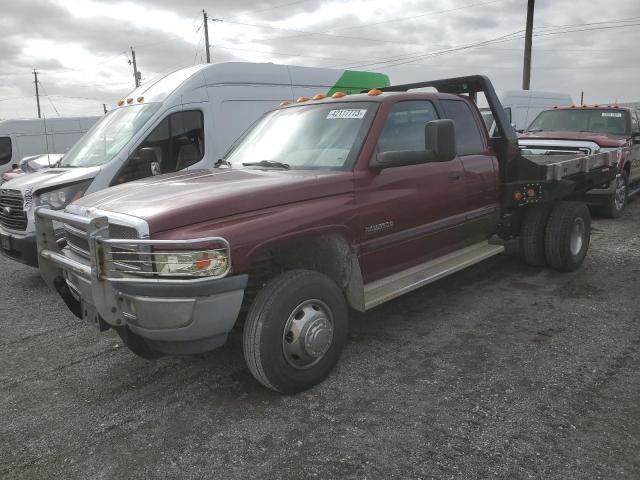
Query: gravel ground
column 500, row 371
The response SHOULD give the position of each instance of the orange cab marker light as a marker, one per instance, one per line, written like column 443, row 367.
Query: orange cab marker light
column 319, row 96
column 302, row 99
column 284, row 103
column 374, row 92
column 517, row 196
column 202, row 263
column 129, row 101
column 584, row 106
column 596, row 105
column 140, row 99
column 120, row 103
column 555, row 106
column 573, row 106
column 338, row 95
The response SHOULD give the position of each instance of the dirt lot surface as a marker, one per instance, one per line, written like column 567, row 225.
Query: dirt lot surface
column 500, row 371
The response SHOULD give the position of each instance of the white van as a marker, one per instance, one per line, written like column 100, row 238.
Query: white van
column 186, row 119
column 525, row 105
column 23, row 138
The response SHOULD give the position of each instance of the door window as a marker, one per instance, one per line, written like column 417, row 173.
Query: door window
column 468, row 136
column 404, row 128
column 5, row 150
column 175, row 144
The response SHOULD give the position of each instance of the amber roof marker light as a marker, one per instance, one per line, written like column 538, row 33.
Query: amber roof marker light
column 374, row 92
column 319, row 96
column 338, row 95
column 302, row 99
column 284, row 103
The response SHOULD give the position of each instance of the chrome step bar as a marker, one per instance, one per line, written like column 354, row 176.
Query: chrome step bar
column 400, row 283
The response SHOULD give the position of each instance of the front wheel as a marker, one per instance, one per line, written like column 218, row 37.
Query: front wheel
column 617, row 201
column 295, row 331
column 567, row 236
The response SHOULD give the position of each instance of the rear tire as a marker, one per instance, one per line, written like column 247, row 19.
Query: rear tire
column 532, row 235
column 567, row 236
column 617, row 202
column 295, row 331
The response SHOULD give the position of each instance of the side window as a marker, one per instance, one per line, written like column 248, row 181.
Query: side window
column 5, row 150
column 404, row 126
column 468, row 136
column 635, row 121
column 175, row 144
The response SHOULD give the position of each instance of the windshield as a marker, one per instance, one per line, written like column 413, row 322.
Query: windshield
column 612, row 122
column 323, row 136
column 107, row 137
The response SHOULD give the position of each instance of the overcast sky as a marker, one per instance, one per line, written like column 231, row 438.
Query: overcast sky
column 81, row 47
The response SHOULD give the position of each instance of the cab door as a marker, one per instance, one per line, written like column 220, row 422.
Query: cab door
column 408, row 214
column 481, row 171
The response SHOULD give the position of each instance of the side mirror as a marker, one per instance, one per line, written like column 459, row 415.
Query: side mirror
column 147, row 158
column 635, row 138
column 440, row 140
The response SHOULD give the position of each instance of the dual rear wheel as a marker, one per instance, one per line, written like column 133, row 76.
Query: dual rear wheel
column 557, row 236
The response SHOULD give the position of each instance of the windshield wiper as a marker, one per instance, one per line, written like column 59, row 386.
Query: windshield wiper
column 267, row 164
column 220, row 162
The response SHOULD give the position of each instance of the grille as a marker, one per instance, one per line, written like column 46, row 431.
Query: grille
column 12, row 214
column 78, row 243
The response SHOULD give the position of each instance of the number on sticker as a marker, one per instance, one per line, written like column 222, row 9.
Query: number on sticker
column 346, row 113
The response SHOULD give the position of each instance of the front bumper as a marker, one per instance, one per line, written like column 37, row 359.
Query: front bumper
column 172, row 315
column 22, row 248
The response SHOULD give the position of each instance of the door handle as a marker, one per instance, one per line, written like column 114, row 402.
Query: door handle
column 453, row 176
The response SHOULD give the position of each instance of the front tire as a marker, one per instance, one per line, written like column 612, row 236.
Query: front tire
column 617, row 202
column 567, row 236
column 295, row 331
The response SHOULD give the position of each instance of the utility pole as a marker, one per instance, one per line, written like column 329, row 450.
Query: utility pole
column 35, row 76
column 206, row 35
column 136, row 74
column 582, row 98
column 526, row 70
column 104, row 107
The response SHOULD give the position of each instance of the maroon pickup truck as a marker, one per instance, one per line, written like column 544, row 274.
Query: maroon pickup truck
column 591, row 129
column 323, row 205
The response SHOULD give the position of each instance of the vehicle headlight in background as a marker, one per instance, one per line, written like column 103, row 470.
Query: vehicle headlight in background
column 208, row 263
column 61, row 197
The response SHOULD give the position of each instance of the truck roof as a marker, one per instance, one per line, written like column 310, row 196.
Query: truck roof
column 377, row 98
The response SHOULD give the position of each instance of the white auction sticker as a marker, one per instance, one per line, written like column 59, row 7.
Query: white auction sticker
column 612, row 114
column 347, row 113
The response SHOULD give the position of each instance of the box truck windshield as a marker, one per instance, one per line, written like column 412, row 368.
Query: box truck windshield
column 105, row 140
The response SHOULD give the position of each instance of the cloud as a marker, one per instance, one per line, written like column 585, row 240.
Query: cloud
column 81, row 47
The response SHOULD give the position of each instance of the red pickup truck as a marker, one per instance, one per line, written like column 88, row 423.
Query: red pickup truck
column 324, row 204
column 592, row 129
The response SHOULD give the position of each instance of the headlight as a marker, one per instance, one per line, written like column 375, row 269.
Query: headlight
column 208, row 263
column 60, row 198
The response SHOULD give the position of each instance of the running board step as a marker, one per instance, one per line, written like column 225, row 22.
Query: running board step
column 400, row 283
column 633, row 189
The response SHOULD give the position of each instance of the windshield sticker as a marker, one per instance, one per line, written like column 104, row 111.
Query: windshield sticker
column 28, row 198
column 612, row 114
column 348, row 113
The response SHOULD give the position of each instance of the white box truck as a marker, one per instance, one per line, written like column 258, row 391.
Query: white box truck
column 183, row 120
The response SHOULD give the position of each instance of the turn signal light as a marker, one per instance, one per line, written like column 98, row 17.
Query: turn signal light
column 284, row 103
column 319, row 96
column 338, row 95
column 374, row 92
column 302, row 99
column 120, row 103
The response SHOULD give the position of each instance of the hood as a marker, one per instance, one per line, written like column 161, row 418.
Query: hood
column 175, row 200
column 602, row 139
column 50, row 178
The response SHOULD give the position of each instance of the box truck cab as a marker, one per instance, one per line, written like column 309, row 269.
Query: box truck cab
column 23, row 138
column 183, row 120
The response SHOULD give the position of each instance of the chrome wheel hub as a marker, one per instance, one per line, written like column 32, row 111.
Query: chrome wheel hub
column 308, row 334
column 620, row 196
column 577, row 236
